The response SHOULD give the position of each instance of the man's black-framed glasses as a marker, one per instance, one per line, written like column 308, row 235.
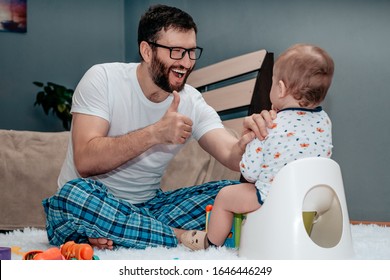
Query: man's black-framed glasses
column 178, row 53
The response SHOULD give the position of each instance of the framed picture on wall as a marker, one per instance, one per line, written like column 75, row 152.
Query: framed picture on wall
column 13, row 16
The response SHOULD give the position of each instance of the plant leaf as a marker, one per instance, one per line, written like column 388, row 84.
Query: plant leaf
column 61, row 108
column 57, row 98
column 38, row 84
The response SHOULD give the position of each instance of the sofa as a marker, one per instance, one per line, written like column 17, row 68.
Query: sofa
column 31, row 162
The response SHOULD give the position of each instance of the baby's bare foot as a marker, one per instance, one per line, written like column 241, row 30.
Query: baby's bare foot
column 101, row 243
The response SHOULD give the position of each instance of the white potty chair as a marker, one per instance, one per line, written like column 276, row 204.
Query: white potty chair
column 310, row 189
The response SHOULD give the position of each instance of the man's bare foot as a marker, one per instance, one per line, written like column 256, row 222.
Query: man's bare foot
column 101, row 243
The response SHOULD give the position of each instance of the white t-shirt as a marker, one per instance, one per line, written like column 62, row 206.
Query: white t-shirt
column 112, row 92
column 297, row 133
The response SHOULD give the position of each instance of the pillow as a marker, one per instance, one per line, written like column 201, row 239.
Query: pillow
column 193, row 166
column 29, row 167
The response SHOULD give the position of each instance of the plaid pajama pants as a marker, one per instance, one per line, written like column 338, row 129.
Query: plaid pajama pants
column 84, row 208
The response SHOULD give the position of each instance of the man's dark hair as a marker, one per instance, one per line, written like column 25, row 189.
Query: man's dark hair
column 160, row 17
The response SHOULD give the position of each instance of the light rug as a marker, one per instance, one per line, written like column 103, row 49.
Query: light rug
column 370, row 242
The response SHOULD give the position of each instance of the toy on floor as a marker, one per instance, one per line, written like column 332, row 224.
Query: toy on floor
column 5, row 253
column 50, row 254
column 68, row 251
column 233, row 239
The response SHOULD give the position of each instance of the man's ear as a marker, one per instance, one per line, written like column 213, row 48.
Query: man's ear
column 282, row 88
column 145, row 51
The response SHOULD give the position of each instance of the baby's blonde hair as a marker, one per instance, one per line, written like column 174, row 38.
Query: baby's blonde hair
column 307, row 72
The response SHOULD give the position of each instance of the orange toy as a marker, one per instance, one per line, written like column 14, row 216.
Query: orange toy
column 49, row 254
column 68, row 251
column 71, row 250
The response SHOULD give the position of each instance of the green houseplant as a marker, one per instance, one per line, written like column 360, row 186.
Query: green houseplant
column 55, row 98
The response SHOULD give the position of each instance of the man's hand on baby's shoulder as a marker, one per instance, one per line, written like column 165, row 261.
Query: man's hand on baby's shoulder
column 259, row 124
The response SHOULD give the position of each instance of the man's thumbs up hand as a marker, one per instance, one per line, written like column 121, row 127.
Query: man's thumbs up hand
column 174, row 128
column 175, row 102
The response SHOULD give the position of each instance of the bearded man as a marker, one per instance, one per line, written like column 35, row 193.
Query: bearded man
column 129, row 121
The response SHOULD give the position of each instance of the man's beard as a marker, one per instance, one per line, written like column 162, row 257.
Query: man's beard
column 160, row 76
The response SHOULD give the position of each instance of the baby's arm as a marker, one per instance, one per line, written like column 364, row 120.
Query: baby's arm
column 252, row 159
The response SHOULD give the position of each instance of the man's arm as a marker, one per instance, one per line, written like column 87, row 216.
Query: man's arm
column 227, row 149
column 95, row 153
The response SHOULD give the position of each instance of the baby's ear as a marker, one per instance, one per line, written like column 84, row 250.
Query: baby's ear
column 282, row 89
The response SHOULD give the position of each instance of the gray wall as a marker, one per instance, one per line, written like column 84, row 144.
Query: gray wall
column 65, row 38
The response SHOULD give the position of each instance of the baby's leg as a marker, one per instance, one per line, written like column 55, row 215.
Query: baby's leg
column 241, row 198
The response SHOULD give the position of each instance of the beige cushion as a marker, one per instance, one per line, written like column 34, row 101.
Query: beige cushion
column 29, row 167
column 193, row 166
column 31, row 162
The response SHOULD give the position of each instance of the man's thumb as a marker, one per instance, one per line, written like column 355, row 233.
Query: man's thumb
column 175, row 102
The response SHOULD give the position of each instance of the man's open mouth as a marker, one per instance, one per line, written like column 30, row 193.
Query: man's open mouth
column 179, row 73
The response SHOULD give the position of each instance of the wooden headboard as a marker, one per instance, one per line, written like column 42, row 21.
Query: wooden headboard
column 236, row 87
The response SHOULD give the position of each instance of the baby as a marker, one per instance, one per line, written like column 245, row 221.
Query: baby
column 301, row 78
